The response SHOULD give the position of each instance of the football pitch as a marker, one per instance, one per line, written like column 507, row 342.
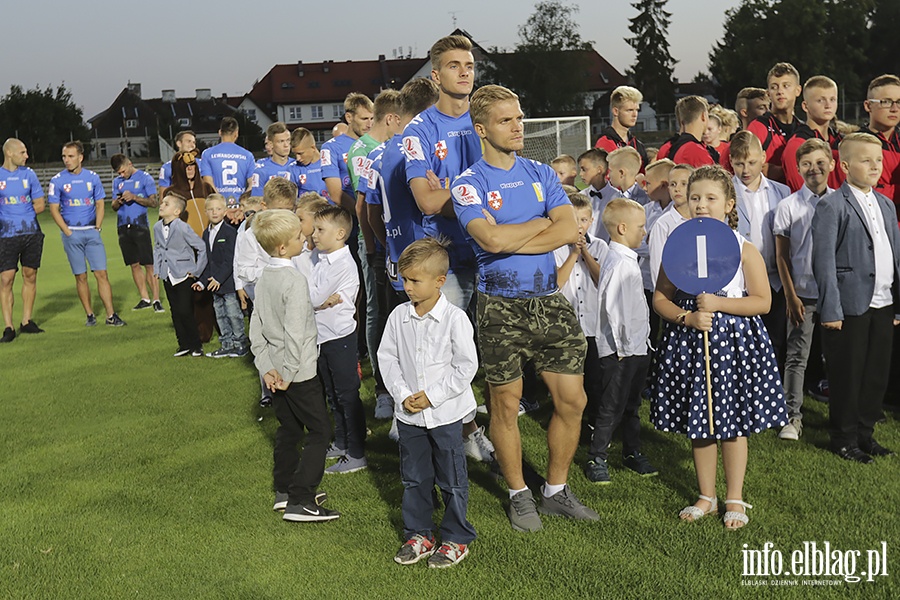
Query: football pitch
column 127, row 473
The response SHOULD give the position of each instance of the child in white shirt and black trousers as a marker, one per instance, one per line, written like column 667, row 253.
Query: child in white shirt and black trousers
column 428, row 359
column 623, row 334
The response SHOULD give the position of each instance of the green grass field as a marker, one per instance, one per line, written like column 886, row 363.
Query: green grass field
column 127, row 473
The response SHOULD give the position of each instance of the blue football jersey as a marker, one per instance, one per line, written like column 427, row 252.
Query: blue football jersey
column 309, row 178
column 440, row 143
column 266, row 169
column 76, row 195
column 17, row 191
column 334, row 161
column 230, row 166
column 530, row 190
column 140, row 184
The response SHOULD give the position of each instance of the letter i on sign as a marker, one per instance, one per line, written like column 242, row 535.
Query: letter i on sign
column 702, row 272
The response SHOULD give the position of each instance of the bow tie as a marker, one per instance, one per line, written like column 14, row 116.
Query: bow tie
column 596, row 193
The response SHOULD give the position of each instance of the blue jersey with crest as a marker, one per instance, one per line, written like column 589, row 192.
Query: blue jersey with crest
column 17, row 191
column 530, row 190
column 140, row 184
column 334, row 161
column 76, row 195
column 230, row 166
column 266, row 169
column 309, row 178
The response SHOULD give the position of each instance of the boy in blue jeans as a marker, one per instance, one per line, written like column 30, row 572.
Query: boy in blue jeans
column 428, row 359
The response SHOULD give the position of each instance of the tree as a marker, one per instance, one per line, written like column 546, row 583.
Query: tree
column 653, row 66
column 43, row 119
column 547, row 66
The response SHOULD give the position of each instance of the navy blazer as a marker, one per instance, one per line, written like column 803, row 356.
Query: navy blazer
column 220, row 265
column 844, row 256
column 181, row 254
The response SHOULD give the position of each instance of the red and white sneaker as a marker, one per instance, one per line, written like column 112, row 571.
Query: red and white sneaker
column 448, row 555
column 415, row 549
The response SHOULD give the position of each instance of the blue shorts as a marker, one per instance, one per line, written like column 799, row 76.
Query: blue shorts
column 84, row 246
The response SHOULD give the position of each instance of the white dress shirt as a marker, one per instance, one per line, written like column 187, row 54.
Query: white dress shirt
column 249, row 260
column 884, row 266
column 599, row 200
column 756, row 214
column 334, row 273
column 580, row 289
column 213, row 232
column 656, row 239
column 434, row 353
column 793, row 220
column 637, row 193
column 624, row 324
column 652, row 212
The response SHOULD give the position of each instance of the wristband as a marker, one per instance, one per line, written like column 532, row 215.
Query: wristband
column 680, row 319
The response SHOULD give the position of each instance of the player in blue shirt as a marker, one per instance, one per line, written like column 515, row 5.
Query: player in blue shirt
column 308, row 166
column 359, row 112
column 134, row 191
column 440, row 144
column 76, row 204
column 279, row 164
column 516, row 214
column 21, row 239
column 185, row 141
column 226, row 166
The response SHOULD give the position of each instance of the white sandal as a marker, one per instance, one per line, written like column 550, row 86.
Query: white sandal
column 733, row 515
column 695, row 513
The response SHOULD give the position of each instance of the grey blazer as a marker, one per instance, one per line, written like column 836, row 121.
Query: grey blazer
column 182, row 253
column 844, row 257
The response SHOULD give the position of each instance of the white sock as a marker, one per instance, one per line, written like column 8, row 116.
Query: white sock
column 514, row 492
column 551, row 490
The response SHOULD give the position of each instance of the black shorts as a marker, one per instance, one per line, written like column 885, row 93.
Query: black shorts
column 135, row 244
column 26, row 249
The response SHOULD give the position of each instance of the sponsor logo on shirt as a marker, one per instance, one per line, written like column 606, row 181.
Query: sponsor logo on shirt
column 2, row 185
column 326, row 157
column 412, row 148
column 459, row 133
column 89, row 186
column 538, row 191
column 440, row 149
column 67, row 187
column 466, row 195
column 495, row 200
column 511, row 186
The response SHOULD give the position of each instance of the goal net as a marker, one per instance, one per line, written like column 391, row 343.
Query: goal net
column 545, row 139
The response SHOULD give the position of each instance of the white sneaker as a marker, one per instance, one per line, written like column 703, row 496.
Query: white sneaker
column 791, row 431
column 384, row 406
column 394, row 434
column 526, row 406
column 478, row 446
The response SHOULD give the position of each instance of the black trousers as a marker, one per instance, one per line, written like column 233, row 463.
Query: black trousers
column 776, row 324
column 181, row 304
column 593, row 381
column 858, row 358
column 621, row 383
column 301, row 406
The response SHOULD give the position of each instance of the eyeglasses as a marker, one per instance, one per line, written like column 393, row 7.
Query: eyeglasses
column 884, row 102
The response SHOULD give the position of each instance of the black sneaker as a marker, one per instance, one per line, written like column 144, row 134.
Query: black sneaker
column 220, row 353
column 91, row 320
column 196, row 353
column 265, row 402
column 597, row 471
column 115, row 321
column 157, row 306
column 640, row 464
column 181, row 352
column 30, row 327
column 9, row 334
column 309, row 513
column 142, row 305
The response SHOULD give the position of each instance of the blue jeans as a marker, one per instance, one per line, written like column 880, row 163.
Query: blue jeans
column 429, row 456
column 231, row 321
column 373, row 333
column 460, row 289
column 337, row 368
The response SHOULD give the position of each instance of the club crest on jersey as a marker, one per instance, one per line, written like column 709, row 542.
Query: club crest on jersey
column 344, row 156
column 495, row 201
column 440, row 149
column 121, row 185
column 2, row 185
column 89, row 186
column 538, row 191
column 67, row 187
column 466, row 195
column 302, row 178
column 412, row 148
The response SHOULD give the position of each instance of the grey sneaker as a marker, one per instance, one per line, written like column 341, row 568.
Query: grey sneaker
column 478, row 446
column 91, row 320
column 309, row 513
column 334, row 452
column 792, row 431
column 597, row 471
column 415, row 549
column 640, row 464
column 142, row 305
column 565, row 504
column 523, row 514
column 281, row 501
column 157, row 306
column 115, row 321
column 347, row 464
column 384, row 406
column 220, row 353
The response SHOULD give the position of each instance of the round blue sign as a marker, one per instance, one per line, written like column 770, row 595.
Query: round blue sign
column 701, row 256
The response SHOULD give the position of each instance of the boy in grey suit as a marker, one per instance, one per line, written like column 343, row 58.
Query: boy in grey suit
column 179, row 256
column 856, row 265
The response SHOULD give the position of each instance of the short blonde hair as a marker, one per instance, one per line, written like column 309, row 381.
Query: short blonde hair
column 623, row 94
column 280, row 193
column 819, row 82
column 689, row 109
column 311, row 202
column 484, row 99
column 661, row 164
column 354, row 101
column 252, row 201
column 625, row 158
column 580, row 201
column 214, row 197
column 445, row 44
column 428, row 254
column 300, row 134
column 275, row 227
column 565, row 160
column 387, row 103
column 742, row 144
column 854, row 139
column 615, row 212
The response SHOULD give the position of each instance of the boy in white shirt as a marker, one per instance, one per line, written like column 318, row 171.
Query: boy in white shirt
column 429, row 360
column 673, row 216
column 334, row 272
column 623, row 341
column 793, row 252
column 625, row 174
column 592, row 168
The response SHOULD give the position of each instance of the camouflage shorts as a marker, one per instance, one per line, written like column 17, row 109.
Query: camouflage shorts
column 513, row 331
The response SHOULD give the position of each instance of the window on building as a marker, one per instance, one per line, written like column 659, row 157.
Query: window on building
column 337, row 111
column 321, row 135
column 250, row 114
column 131, row 123
column 312, row 84
column 184, row 122
column 317, row 113
column 295, row 114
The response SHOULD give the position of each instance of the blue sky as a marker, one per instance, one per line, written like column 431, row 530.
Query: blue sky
column 97, row 46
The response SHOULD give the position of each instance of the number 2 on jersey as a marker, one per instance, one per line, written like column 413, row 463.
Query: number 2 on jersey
column 229, row 170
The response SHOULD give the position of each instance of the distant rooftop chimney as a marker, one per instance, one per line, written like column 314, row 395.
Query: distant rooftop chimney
column 204, row 94
column 326, row 66
column 134, row 88
column 300, row 72
column 168, row 96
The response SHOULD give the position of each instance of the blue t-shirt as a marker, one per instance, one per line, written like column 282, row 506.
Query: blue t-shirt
column 309, row 178
column 76, row 195
column 334, row 161
column 140, row 184
column 17, row 190
column 230, row 166
column 530, row 190
column 165, row 173
column 266, row 169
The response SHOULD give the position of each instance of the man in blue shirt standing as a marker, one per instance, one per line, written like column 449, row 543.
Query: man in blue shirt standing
column 515, row 214
column 21, row 239
column 226, row 166
column 279, row 163
column 359, row 112
column 308, row 167
column 76, row 204
column 135, row 192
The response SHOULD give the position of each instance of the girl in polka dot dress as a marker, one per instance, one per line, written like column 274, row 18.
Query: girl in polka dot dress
column 746, row 389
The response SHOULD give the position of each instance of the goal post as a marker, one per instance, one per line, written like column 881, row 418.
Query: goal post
column 547, row 138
